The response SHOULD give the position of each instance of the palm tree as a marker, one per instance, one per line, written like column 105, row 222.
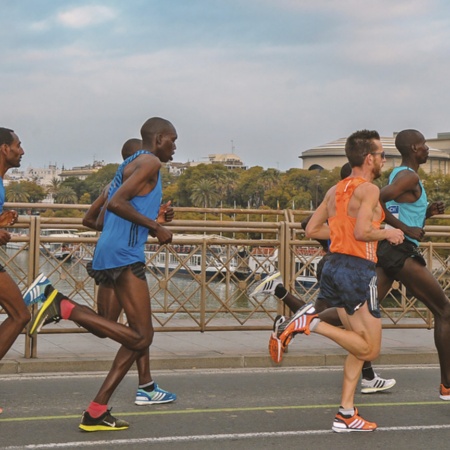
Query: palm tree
column 16, row 193
column 204, row 193
column 66, row 195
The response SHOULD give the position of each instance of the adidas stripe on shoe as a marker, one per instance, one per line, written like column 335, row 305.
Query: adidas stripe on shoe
column 343, row 424
column 378, row 384
column 298, row 323
column 268, row 285
column 154, row 397
column 36, row 291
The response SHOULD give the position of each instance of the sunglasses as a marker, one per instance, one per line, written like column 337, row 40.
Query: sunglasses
column 383, row 154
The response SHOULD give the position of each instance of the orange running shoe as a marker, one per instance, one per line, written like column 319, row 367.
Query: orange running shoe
column 343, row 424
column 299, row 323
column 444, row 393
column 276, row 348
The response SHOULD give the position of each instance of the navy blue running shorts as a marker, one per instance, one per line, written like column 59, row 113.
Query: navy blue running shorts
column 109, row 276
column 349, row 282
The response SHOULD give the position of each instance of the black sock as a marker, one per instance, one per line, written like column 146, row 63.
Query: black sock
column 368, row 373
column 149, row 387
column 280, row 291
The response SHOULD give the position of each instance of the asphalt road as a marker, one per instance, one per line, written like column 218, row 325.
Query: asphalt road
column 227, row 409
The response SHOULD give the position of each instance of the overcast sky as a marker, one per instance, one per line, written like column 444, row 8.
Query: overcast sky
column 267, row 79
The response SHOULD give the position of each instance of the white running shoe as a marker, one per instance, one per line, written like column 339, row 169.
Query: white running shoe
column 268, row 285
column 36, row 292
column 378, row 384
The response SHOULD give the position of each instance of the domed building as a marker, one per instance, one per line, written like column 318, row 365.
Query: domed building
column 331, row 155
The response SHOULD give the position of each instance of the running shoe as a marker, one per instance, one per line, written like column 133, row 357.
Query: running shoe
column 343, row 424
column 298, row 323
column 106, row 422
column 276, row 348
column 444, row 393
column 49, row 312
column 378, row 384
column 36, row 292
column 154, row 397
column 268, row 285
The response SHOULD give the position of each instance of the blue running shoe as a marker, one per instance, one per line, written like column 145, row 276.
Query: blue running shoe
column 36, row 292
column 154, row 397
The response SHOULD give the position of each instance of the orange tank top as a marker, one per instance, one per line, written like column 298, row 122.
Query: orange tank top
column 342, row 226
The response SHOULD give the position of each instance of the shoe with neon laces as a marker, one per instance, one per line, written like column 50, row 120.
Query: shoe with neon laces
column 268, row 285
column 154, row 397
column 36, row 292
column 444, row 393
column 378, row 384
column 106, row 422
column 276, row 348
column 344, row 424
column 50, row 311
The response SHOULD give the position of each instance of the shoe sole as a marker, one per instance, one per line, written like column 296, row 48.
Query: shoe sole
column 37, row 324
column 350, row 430
column 32, row 286
column 446, row 398
column 373, row 390
column 91, row 428
column 275, row 349
column 258, row 288
column 142, row 403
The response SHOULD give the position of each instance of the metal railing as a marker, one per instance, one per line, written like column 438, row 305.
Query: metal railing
column 203, row 280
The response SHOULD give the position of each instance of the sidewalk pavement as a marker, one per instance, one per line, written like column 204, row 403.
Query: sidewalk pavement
column 83, row 352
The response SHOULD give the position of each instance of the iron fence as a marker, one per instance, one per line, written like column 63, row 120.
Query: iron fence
column 203, row 281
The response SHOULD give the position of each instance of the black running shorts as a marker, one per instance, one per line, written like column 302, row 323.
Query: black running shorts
column 392, row 257
column 109, row 276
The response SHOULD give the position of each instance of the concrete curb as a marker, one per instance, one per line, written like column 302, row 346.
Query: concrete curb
column 102, row 364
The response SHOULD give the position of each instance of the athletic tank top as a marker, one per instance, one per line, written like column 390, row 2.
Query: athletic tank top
column 2, row 195
column 342, row 226
column 122, row 242
column 411, row 214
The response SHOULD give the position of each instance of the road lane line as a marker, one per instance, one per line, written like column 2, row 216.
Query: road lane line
column 223, row 410
column 215, row 437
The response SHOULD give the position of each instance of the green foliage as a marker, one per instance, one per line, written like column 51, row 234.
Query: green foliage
column 96, row 182
column 24, row 191
column 66, row 195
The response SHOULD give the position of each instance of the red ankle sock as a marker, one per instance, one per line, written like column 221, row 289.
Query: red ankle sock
column 66, row 309
column 96, row 410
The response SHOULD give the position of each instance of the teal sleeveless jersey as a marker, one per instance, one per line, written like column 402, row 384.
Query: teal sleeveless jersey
column 412, row 214
column 122, row 242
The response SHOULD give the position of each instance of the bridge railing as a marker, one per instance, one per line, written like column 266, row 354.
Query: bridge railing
column 203, row 281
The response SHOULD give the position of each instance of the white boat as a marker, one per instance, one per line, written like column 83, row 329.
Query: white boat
column 188, row 258
column 264, row 260
column 59, row 250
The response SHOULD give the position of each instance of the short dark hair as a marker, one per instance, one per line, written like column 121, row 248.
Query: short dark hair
column 405, row 139
column 155, row 125
column 359, row 144
column 6, row 136
column 130, row 147
column 346, row 170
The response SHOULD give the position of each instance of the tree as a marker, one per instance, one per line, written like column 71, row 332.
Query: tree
column 204, row 194
column 66, row 195
column 16, row 193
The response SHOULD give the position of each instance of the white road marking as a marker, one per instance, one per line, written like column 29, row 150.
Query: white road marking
column 214, row 437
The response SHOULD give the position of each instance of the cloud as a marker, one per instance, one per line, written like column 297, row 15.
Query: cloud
column 86, row 16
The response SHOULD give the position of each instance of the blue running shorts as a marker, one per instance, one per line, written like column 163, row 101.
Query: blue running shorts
column 349, row 282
